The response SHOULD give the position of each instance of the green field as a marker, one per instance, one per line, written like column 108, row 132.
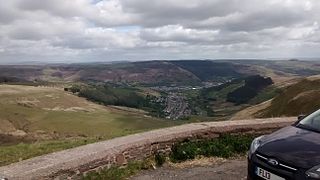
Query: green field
column 33, row 117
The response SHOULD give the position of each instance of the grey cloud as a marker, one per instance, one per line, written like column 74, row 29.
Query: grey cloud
column 8, row 13
column 167, row 29
column 268, row 18
column 63, row 8
column 158, row 13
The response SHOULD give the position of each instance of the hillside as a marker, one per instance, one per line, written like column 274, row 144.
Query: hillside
column 292, row 98
column 300, row 98
column 281, row 71
column 144, row 73
column 209, row 70
column 222, row 101
column 155, row 73
column 150, row 73
column 32, row 113
column 252, row 86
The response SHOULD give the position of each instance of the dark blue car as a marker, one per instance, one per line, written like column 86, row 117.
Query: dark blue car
column 289, row 153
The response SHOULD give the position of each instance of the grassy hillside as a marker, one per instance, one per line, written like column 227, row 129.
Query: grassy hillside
column 45, row 116
column 33, row 109
column 300, row 98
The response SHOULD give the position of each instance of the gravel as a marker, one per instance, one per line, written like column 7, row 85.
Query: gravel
column 232, row 169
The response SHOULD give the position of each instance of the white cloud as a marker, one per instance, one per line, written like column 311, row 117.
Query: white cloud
column 179, row 34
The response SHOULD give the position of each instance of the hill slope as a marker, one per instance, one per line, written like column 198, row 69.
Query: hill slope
column 208, row 70
column 145, row 73
column 48, row 113
column 182, row 72
column 300, row 98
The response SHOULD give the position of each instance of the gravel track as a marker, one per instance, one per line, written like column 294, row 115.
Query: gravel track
column 235, row 169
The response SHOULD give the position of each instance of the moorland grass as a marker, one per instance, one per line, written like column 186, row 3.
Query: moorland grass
column 296, row 99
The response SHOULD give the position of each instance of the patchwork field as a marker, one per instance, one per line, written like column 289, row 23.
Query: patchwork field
column 45, row 119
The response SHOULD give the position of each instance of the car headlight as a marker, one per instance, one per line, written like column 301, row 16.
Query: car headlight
column 254, row 146
column 314, row 172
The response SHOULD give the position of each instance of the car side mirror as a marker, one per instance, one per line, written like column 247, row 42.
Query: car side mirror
column 300, row 117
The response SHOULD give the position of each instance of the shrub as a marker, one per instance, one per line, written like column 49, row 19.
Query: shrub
column 160, row 159
column 184, row 151
column 224, row 146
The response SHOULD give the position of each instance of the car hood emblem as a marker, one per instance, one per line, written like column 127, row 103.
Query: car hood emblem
column 273, row 162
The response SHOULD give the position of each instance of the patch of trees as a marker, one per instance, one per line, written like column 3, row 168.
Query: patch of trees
column 5, row 79
column 109, row 95
column 253, row 85
column 119, row 96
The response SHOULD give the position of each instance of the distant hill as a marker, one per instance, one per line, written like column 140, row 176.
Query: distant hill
column 144, row 73
column 289, row 67
column 208, row 70
column 149, row 73
column 162, row 73
column 6, row 79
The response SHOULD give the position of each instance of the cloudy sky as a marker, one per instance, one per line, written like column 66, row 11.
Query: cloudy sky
column 112, row 30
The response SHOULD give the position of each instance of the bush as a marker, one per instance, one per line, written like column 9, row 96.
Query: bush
column 225, row 146
column 160, row 159
column 184, row 151
column 109, row 95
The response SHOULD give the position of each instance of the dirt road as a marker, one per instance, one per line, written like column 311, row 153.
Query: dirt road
column 235, row 169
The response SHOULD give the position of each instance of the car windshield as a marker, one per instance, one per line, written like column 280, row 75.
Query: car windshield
column 311, row 122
